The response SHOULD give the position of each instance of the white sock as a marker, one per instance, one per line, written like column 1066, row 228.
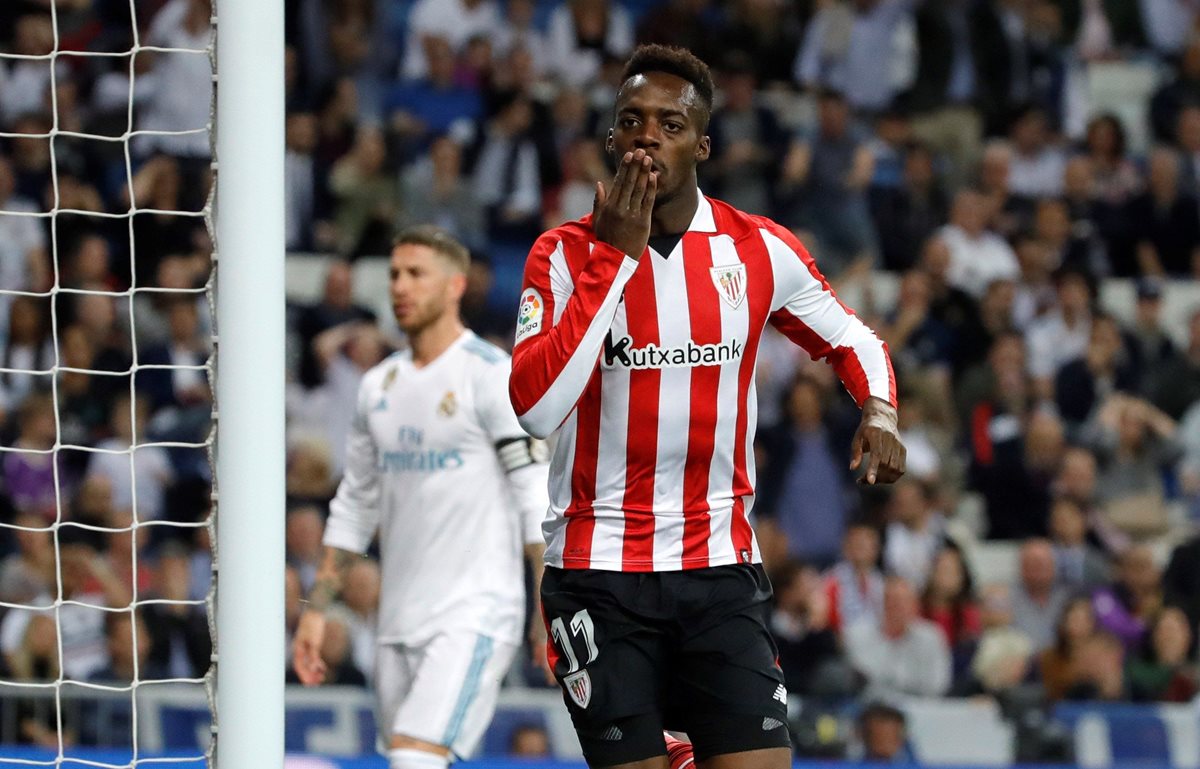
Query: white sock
column 407, row 758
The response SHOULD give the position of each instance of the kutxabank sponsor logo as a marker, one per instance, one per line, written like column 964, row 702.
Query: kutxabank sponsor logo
column 620, row 353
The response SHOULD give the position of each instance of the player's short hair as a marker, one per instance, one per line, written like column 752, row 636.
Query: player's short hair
column 441, row 242
column 679, row 62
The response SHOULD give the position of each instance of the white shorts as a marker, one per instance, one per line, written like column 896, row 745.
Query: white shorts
column 442, row 691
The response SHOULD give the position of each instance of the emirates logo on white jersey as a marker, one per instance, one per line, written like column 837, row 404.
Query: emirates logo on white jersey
column 621, row 353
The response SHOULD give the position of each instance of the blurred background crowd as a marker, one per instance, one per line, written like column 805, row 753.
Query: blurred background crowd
column 1000, row 163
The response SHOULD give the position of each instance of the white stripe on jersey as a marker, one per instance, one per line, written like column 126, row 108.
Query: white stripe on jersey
column 561, row 283
column 611, row 455
column 720, row 479
column 674, row 409
column 560, row 486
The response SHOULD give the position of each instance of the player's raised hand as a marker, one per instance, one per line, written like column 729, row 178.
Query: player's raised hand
column 621, row 215
column 306, row 648
column 879, row 436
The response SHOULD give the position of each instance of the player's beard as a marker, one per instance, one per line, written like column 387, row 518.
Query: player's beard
column 423, row 316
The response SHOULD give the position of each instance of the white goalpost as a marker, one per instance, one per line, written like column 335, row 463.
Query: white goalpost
column 244, row 686
column 250, row 397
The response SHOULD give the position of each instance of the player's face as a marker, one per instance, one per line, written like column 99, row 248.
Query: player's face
column 661, row 114
column 424, row 287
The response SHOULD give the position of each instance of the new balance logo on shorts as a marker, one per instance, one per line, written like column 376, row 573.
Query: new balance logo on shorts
column 780, row 694
column 771, row 723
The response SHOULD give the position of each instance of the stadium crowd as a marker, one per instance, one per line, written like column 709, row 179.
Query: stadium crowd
column 950, row 143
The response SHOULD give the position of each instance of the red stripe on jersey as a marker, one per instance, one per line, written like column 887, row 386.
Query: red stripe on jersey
column 581, row 517
column 641, row 446
column 704, row 306
column 760, row 286
column 552, row 655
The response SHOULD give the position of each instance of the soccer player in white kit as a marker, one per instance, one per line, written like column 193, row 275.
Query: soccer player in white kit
column 438, row 465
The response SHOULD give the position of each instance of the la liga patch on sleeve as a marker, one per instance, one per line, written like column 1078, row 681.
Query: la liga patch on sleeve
column 529, row 314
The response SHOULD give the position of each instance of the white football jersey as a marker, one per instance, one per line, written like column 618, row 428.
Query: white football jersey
column 438, row 465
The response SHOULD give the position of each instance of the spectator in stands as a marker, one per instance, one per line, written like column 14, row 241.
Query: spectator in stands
column 128, row 658
column 22, row 240
column 949, row 601
column 1058, row 663
column 915, row 532
column 1133, row 442
column 529, row 741
column 29, row 477
column 34, row 658
column 747, row 142
column 1177, row 384
column 151, row 464
column 802, row 491
column 303, row 531
column 1037, row 163
column 176, row 94
column 1081, row 385
column 906, row 215
column 182, row 643
column 1166, row 224
column 1163, row 671
column 519, row 30
column 30, row 571
column 1170, row 98
column 883, row 734
column 681, row 23
column 1099, row 672
column 977, row 256
column 926, row 415
column 1149, row 345
column 1115, row 178
column 434, row 190
column 808, row 646
column 854, row 585
column 824, row 187
column 583, row 166
column 158, row 185
column 453, row 21
column 1127, row 606
column 1034, row 294
column 506, row 175
column 344, row 353
column 29, row 349
column 366, row 194
column 902, row 654
column 1076, row 480
column 1181, row 580
column 303, row 183
column 309, row 476
column 916, row 340
column 1037, row 598
column 1061, row 335
column 954, row 308
column 1008, row 213
column 335, row 307
column 863, row 49
column 179, row 388
column 1187, row 138
column 583, row 33
column 1078, row 563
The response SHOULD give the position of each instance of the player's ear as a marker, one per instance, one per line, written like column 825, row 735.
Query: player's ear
column 703, row 149
column 458, row 284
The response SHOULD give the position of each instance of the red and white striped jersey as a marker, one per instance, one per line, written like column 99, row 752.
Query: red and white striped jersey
column 646, row 368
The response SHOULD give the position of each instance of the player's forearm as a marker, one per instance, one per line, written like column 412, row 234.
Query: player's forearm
column 551, row 370
column 330, row 577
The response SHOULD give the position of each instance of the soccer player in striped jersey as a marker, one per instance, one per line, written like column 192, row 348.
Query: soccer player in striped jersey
column 638, row 330
column 437, row 464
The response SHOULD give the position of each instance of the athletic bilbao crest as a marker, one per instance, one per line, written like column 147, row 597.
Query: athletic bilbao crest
column 730, row 280
column 579, row 686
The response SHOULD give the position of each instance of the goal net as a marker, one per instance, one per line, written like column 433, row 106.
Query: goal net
column 107, row 535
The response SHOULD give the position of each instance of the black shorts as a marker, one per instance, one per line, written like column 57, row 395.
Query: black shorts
column 685, row 651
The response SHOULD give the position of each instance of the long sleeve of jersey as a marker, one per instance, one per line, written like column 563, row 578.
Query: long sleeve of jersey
column 354, row 511
column 805, row 309
column 523, row 458
column 561, row 325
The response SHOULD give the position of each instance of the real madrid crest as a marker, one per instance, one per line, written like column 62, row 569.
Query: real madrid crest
column 448, row 405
